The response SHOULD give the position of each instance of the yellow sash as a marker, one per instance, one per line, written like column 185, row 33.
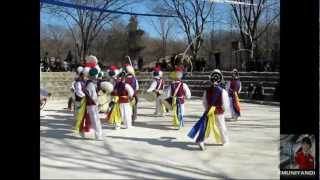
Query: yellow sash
column 212, row 125
column 133, row 102
column 236, row 97
column 163, row 108
column 176, row 121
column 80, row 114
column 115, row 116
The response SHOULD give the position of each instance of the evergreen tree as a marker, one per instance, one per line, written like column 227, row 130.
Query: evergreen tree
column 135, row 43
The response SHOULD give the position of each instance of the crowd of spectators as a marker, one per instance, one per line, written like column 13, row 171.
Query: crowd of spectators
column 200, row 65
column 265, row 66
column 170, row 64
column 56, row 64
column 254, row 91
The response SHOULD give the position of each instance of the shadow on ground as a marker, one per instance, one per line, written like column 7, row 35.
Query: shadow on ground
column 117, row 163
column 58, row 111
column 165, row 142
column 153, row 126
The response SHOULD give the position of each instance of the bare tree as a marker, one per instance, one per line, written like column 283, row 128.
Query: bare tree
column 111, row 44
column 53, row 39
column 210, row 38
column 85, row 25
column 56, row 33
column 163, row 26
column 193, row 15
column 248, row 20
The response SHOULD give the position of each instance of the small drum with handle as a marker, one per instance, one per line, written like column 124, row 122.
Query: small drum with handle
column 160, row 92
column 167, row 103
column 150, row 96
column 104, row 100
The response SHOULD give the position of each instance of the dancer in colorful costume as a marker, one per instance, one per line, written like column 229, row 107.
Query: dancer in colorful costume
column 72, row 100
column 157, row 86
column 92, row 103
column 178, row 90
column 78, row 86
column 133, row 82
column 215, row 101
column 83, row 121
column 125, row 93
column 103, row 93
column 113, row 113
column 233, row 88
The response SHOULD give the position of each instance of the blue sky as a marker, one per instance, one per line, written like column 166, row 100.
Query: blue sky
column 144, row 22
column 46, row 18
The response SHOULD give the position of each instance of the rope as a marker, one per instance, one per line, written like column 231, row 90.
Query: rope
column 76, row 6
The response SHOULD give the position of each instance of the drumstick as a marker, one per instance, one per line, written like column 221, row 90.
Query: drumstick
column 129, row 59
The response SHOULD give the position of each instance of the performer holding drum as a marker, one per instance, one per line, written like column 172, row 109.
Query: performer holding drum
column 103, row 93
column 233, row 88
column 156, row 89
column 176, row 94
column 105, row 96
column 120, row 109
column 125, row 94
column 216, row 102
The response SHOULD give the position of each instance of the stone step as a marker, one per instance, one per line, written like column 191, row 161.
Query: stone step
column 270, row 90
column 242, row 78
column 244, row 89
column 53, row 98
column 64, row 78
column 225, row 73
column 264, row 83
column 269, row 87
column 56, row 86
column 205, row 78
column 58, row 89
column 200, row 81
column 57, row 83
column 60, row 94
column 242, row 95
column 229, row 73
column 57, row 74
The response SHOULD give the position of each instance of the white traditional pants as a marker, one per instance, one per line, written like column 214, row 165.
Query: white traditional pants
column 126, row 114
column 159, row 109
column 95, row 120
column 182, row 110
column 222, row 127
column 233, row 114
